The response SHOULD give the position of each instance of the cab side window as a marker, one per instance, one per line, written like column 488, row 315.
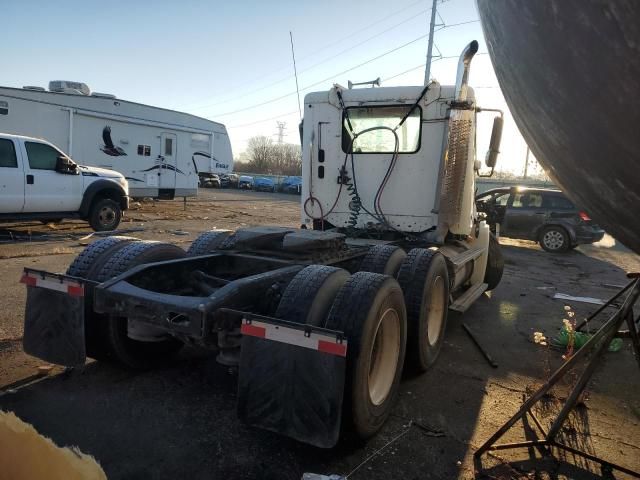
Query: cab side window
column 41, row 156
column 501, row 199
column 7, row 154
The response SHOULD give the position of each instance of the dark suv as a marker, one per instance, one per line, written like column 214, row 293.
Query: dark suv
column 543, row 215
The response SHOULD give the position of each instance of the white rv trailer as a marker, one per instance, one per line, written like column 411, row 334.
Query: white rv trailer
column 161, row 152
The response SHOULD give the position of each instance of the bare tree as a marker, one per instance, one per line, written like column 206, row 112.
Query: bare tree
column 263, row 156
column 259, row 153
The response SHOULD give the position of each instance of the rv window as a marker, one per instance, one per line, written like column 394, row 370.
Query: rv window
column 7, row 154
column 381, row 141
column 168, row 146
column 4, row 108
column 41, row 156
column 144, row 150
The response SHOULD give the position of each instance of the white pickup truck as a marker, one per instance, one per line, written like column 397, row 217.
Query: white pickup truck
column 40, row 182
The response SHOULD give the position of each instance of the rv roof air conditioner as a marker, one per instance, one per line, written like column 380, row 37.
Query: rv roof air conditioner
column 64, row 86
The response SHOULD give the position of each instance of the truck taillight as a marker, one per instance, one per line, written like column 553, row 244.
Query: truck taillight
column 584, row 217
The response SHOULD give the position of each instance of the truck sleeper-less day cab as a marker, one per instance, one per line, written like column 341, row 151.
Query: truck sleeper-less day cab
column 317, row 319
column 162, row 153
column 40, row 182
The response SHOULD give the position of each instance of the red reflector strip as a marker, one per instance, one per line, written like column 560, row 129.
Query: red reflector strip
column 333, row 348
column 252, row 330
column 584, row 216
column 54, row 283
column 292, row 336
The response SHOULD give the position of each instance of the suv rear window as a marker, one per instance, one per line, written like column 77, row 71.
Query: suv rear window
column 558, row 202
column 8, row 154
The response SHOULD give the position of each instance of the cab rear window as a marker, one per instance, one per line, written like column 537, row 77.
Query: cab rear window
column 7, row 154
column 358, row 119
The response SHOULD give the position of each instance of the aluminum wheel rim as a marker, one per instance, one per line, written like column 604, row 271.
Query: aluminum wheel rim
column 436, row 311
column 553, row 240
column 383, row 360
column 106, row 215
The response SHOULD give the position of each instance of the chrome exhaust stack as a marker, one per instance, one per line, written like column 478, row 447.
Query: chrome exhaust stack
column 464, row 65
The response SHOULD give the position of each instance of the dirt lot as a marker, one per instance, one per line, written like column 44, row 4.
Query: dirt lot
column 180, row 421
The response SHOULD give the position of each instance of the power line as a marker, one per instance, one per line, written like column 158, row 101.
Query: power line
column 384, row 19
column 323, row 80
column 236, row 98
column 263, row 120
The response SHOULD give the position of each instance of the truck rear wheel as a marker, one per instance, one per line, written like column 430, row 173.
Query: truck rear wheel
column 207, row 242
column 105, row 215
column 425, row 282
column 137, row 354
column 385, row 259
column 309, row 296
column 87, row 265
column 495, row 264
column 370, row 310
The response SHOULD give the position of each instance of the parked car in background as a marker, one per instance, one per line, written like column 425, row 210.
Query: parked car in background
column 263, row 184
column 210, row 181
column 291, row 184
column 40, row 182
column 229, row 180
column 545, row 216
column 245, row 182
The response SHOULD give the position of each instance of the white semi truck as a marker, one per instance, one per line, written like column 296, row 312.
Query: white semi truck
column 162, row 153
column 320, row 320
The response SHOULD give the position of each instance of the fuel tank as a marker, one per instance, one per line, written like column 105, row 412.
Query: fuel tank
column 570, row 73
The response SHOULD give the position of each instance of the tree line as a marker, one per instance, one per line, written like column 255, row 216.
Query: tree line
column 264, row 156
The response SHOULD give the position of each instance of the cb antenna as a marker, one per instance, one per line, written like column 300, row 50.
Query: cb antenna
column 295, row 71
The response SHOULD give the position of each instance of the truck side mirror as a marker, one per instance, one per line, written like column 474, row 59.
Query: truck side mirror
column 66, row 165
column 494, row 144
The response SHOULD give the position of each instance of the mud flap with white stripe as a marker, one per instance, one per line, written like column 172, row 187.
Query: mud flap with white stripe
column 54, row 318
column 291, row 379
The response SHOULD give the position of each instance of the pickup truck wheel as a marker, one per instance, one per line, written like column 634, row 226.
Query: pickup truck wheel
column 207, row 242
column 385, row 259
column 495, row 263
column 425, row 282
column 137, row 354
column 105, row 215
column 309, row 296
column 554, row 239
column 370, row 310
column 87, row 265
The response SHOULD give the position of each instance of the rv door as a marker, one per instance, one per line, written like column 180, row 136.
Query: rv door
column 168, row 162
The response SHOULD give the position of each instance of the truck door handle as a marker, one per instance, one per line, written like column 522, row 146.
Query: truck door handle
column 29, row 179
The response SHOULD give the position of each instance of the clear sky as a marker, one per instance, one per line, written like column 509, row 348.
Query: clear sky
column 231, row 61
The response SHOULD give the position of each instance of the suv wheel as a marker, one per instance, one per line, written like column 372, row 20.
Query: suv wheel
column 554, row 239
column 105, row 215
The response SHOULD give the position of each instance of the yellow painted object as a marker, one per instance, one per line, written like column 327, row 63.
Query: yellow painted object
column 27, row 455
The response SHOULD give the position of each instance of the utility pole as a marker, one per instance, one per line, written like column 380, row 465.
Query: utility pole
column 526, row 164
column 282, row 126
column 427, row 70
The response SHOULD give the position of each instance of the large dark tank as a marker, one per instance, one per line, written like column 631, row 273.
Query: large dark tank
column 570, row 73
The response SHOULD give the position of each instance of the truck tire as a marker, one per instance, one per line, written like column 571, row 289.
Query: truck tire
column 385, row 259
column 135, row 354
column 105, row 214
column 87, row 265
column 309, row 296
column 495, row 264
column 554, row 239
column 370, row 310
column 425, row 282
column 207, row 242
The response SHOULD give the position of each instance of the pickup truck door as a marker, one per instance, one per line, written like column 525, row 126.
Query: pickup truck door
column 47, row 190
column 11, row 178
column 523, row 216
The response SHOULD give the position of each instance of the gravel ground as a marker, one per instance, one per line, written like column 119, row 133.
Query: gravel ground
column 180, row 421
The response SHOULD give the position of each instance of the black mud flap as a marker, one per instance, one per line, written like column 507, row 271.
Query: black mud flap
column 291, row 380
column 54, row 318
